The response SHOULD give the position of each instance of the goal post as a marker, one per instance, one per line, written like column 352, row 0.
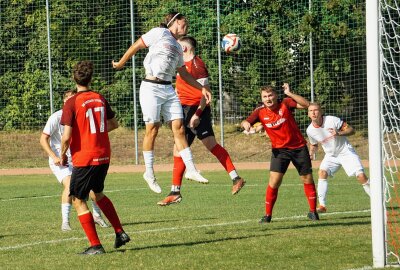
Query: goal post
column 374, row 133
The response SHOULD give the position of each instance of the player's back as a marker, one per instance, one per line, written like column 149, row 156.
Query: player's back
column 90, row 144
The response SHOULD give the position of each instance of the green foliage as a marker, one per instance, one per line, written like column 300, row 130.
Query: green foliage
column 275, row 49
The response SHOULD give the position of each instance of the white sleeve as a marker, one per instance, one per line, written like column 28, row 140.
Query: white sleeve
column 51, row 125
column 152, row 36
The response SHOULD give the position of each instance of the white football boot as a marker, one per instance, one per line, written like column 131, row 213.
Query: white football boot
column 152, row 182
column 195, row 176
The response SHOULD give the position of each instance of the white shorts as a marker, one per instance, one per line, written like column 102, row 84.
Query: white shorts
column 159, row 99
column 60, row 171
column 349, row 160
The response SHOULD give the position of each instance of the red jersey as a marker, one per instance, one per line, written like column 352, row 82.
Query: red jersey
column 87, row 113
column 189, row 95
column 279, row 124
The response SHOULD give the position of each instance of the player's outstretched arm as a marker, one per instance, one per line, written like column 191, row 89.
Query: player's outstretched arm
column 138, row 45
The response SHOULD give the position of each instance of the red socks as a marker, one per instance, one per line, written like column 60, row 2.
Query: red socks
column 89, row 227
column 311, row 194
column 222, row 155
column 177, row 172
column 108, row 209
column 271, row 194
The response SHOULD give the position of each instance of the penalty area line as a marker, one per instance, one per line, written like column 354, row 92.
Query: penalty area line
column 169, row 229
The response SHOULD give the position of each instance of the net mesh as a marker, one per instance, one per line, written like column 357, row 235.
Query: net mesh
column 276, row 48
column 390, row 93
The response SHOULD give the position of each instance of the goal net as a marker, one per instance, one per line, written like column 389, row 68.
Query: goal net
column 389, row 45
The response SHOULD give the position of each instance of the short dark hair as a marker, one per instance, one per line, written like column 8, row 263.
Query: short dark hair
column 69, row 91
column 267, row 88
column 83, row 72
column 190, row 40
column 170, row 18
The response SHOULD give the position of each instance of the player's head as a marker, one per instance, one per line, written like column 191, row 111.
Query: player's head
column 67, row 94
column 176, row 23
column 83, row 72
column 188, row 44
column 315, row 111
column 269, row 96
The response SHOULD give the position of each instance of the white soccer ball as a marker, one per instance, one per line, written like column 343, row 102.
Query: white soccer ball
column 231, row 43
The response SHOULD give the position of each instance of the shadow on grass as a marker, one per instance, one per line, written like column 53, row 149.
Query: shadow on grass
column 319, row 224
column 189, row 244
column 165, row 220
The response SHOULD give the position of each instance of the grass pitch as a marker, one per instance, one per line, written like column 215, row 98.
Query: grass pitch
column 209, row 229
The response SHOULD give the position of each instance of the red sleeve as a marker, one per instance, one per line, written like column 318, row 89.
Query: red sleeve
column 68, row 113
column 253, row 117
column 289, row 102
column 199, row 69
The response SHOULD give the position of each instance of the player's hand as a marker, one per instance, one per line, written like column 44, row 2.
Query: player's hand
column 333, row 132
column 246, row 125
column 57, row 161
column 286, row 88
column 117, row 65
column 64, row 160
column 194, row 121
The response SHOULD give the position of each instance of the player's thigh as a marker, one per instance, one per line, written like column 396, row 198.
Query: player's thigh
column 330, row 164
column 85, row 179
column 60, row 172
column 279, row 161
column 151, row 99
column 205, row 129
column 171, row 109
column 301, row 160
column 351, row 163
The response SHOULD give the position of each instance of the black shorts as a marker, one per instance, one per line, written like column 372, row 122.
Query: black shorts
column 300, row 157
column 85, row 179
column 204, row 129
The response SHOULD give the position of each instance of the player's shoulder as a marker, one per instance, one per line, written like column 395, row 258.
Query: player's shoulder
column 331, row 118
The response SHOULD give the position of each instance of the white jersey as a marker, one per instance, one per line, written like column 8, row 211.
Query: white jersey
column 54, row 129
column 165, row 54
column 332, row 145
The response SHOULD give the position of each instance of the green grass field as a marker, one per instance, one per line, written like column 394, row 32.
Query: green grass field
column 209, row 229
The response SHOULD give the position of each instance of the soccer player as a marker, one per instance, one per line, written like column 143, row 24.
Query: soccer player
column 50, row 141
column 288, row 145
column 331, row 132
column 157, row 96
column 197, row 122
column 87, row 118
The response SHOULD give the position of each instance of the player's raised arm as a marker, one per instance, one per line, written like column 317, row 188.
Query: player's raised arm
column 302, row 103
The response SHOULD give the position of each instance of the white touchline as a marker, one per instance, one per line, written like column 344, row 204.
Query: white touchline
column 169, row 229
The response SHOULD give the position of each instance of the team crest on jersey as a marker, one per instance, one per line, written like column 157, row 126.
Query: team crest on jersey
column 280, row 113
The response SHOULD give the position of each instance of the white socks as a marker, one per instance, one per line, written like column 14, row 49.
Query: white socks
column 233, row 174
column 187, row 157
column 175, row 188
column 149, row 162
column 322, row 189
column 65, row 210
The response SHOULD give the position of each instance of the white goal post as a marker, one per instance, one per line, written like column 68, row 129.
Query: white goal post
column 374, row 134
column 383, row 84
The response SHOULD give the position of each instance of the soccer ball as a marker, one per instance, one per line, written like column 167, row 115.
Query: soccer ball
column 231, row 43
